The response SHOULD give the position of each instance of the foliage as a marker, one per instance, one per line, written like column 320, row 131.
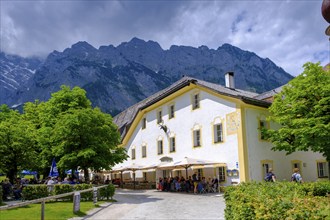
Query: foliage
column 87, row 138
column 31, row 192
column 107, row 192
column 63, row 188
column 17, row 143
column 302, row 111
column 69, row 129
column 88, row 196
column 279, row 200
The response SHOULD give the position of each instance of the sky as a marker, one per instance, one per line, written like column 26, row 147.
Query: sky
column 290, row 33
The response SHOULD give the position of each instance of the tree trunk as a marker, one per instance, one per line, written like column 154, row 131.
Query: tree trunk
column 86, row 175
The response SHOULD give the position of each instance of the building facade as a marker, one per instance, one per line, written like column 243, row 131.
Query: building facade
column 197, row 119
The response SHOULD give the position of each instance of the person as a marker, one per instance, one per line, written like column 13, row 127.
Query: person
column 17, row 189
column 270, row 176
column 195, row 182
column 296, row 177
column 6, row 189
column 107, row 181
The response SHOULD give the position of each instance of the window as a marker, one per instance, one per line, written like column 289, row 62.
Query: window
column 144, row 123
column 160, row 146
column 172, row 144
column 266, row 165
column 171, row 111
column 222, row 174
column 262, row 125
column 197, row 138
column 218, row 133
column 144, row 151
column 322, row 170
column 133, row 153
column 159, row 117
column 296, row 164
column 195, row 101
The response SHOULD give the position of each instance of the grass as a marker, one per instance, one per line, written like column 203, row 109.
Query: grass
column 53, row 210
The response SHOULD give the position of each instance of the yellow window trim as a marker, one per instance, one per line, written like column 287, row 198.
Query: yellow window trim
column 215, row 122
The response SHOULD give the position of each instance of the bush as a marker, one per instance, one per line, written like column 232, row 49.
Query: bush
column 31, row 192
column 63, row 188
column 88, row 196
column 106, row 192
column 280, row 200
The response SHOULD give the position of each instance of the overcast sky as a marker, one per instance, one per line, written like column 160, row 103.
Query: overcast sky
column 290, row 33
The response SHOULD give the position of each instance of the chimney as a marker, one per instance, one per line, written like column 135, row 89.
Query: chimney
column 230, row 83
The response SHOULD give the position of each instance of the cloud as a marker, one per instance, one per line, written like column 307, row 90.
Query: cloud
column 290, row 33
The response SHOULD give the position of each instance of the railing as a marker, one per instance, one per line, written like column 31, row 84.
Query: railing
column 76, row 200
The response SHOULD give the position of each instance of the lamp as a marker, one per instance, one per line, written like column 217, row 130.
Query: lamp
column 163, row 126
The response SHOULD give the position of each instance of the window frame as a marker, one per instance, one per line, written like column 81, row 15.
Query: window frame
column 216, row 135
column 171, row 111
column 144, row 123
column 159, row 116
column 195, row 101
column 133, row 153
column 158, row 147
column 172, row 144
column 197, row 138
column 325, row 170
column 144, row 151
column 222, row 173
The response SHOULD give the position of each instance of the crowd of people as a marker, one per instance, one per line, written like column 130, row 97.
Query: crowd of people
column 191, row 184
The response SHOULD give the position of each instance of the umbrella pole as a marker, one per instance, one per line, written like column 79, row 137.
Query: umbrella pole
column 121, row 179
column 134, row 179
column 186, row 172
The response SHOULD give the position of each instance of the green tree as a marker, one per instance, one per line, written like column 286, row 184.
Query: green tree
column 44, row 116
column 17, row 143
column 302, row 109
column 87, row 138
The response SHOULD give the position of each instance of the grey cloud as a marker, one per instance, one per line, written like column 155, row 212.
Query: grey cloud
column 288, row 32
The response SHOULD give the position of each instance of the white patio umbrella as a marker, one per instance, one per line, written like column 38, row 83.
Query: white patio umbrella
column 133, row 167
column 188, row 162
column 154, row 165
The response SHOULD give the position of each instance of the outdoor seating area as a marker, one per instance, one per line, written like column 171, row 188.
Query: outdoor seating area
column 176, row 184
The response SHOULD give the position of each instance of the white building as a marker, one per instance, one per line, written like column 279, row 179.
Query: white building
column 208, row 121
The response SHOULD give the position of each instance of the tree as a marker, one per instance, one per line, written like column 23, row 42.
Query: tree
column 44, row 116
column 17, row 143
column 87, row 138
column 302, row 109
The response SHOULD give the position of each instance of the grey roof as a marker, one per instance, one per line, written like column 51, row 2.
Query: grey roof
column 125, row 118
column 269, row 94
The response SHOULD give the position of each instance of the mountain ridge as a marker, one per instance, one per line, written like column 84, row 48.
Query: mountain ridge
column 118, row 77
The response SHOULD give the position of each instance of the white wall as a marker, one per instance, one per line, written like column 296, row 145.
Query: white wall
column 261, row 150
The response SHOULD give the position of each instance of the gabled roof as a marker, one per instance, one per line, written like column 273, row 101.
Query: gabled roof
column 125, row 118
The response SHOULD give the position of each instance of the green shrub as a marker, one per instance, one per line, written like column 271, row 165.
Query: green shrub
column 63, row 188
column 31, row 192
column 280, row 200
column 107, row 192
column 88, row 196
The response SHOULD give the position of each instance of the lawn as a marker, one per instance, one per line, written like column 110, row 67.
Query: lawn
column 53, row 210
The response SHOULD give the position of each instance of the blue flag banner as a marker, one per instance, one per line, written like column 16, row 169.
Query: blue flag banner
column 53, row 169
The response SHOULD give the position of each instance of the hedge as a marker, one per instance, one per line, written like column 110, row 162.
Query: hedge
column 31, row 192
column 280, row 200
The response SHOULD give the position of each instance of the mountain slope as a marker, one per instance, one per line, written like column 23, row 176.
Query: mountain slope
column 117, row 77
